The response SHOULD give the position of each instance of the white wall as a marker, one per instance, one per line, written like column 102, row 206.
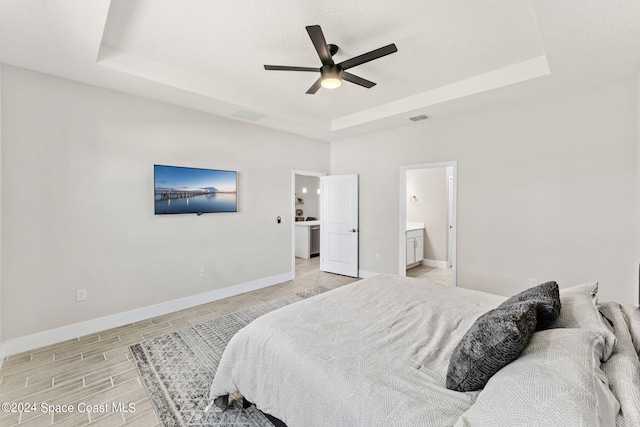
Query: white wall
column 431, row 207
column 77, row 201
column 1, row 181
column 637, row 198
column 546, row 189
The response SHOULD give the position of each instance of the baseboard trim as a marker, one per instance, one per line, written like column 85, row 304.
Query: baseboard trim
column 434, row 263
column 53, row 336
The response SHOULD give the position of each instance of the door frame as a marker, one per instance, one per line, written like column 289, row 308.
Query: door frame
column 292, row 211
column 402, row 220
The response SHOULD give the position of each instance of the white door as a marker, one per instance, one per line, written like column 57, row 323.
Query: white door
column 339, row 224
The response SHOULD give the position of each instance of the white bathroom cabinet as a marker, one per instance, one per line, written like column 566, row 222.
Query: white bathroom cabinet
column 415, row 247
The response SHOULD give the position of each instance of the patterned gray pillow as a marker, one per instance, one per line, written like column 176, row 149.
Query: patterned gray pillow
column 547, row 299
column 494, row 340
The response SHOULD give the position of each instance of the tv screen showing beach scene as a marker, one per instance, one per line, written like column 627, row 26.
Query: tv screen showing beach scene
column 183, row 190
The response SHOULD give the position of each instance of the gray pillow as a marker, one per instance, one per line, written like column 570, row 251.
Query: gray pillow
column 547, row 299
column 494, row 340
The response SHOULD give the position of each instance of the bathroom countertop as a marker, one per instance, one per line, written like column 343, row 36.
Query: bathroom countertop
column 414, row 226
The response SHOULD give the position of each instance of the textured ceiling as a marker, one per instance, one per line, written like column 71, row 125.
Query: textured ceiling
column 209, row 55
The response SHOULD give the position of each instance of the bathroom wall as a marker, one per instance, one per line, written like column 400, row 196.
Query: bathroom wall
column 430, row 206
column 311, row 205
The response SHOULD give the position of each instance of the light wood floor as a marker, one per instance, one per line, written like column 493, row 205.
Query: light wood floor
column 444, row 276
column 98, row 370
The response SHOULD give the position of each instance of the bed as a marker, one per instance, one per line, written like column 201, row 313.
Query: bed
column 377, row 352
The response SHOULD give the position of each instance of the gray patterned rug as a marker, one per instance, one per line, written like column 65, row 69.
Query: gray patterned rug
column 177, row 369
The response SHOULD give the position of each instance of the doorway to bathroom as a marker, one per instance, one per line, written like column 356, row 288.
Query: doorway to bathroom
column 427, row 222
column 305, row 222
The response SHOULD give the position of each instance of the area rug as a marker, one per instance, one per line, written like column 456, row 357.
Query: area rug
column 177, row 369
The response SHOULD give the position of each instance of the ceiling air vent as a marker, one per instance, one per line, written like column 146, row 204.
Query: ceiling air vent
column 418, row 118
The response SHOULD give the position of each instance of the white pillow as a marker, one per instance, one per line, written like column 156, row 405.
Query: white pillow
column 556, row 381
column 632, row 314
column 623, row 367
column 580, row 310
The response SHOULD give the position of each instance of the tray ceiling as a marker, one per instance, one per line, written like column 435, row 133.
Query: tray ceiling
column 209, row 55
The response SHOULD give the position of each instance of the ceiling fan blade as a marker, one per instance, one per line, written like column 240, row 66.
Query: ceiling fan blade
column 369, row 56
column 317, row 38
column 314, row 88
column 288, row 68
column 357, row 80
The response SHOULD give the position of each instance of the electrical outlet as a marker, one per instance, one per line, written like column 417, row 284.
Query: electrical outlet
column 81, row 295
column 202, row 272
column 377, row 257
column 533, row 282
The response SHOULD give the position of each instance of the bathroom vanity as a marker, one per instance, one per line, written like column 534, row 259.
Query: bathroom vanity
column 415, row 243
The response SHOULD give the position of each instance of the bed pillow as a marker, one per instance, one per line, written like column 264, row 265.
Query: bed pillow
column 580, row 310
column 632, row 314
column 547, row 299
column 623, row 367
column 494, row 340
column 557, row 380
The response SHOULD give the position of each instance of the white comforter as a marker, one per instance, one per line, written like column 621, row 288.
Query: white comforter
column 376, row 352
column 369, row 354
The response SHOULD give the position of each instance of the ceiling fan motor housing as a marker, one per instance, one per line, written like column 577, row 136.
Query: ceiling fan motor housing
column 332, row 70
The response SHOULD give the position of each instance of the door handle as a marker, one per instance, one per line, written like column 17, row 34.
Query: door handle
column 353, row 230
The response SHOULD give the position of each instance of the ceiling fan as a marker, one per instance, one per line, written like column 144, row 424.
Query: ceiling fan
column 332, row 74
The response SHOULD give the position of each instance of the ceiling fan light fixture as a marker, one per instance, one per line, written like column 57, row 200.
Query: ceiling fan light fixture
column 331, row 77
column 331, row 82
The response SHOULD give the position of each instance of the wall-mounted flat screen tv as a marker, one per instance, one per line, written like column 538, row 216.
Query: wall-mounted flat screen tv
column 182, row 190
